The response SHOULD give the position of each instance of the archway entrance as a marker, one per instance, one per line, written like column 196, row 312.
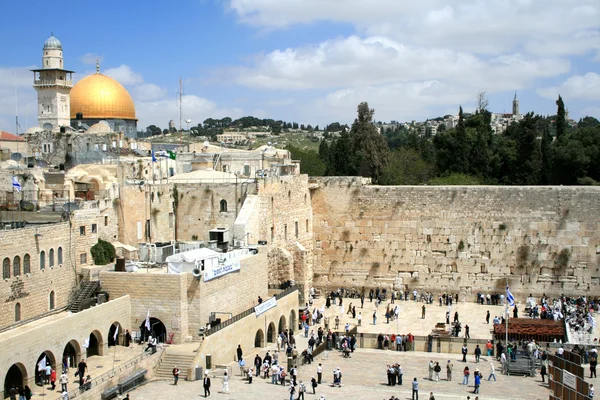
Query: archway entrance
column 95, row 346
column 271, row 333
column 45, row 359
column 259, row 339
column 158, row 330
column 282, row 327
column 71, row 356
column 15, row 377
column 111, row 334
column 293, row 324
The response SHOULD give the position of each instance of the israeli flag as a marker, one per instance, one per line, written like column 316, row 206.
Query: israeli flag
column 148, row 321
column 16, row 184
column 509, row 297
column 153, row 156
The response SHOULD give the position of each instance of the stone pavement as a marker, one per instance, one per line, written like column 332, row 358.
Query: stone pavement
column 363, row 377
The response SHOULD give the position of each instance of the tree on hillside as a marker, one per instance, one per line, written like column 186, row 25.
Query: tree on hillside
column 341, row 157
column 324, row 151
column 560, row 118
column 406, row 167
column 369, row 147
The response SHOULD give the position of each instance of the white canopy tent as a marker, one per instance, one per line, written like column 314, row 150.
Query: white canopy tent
column 188, row 260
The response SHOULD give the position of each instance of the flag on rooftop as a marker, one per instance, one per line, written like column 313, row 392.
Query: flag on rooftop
column 16, row 184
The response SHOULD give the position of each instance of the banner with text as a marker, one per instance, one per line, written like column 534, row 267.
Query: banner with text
column 219, row 269
column 265, row 306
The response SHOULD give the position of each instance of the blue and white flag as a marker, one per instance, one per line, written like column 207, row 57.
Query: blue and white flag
column 153, row 156
column 162, row 153
column 148, row 320
column 509, row 297
column 16, row 184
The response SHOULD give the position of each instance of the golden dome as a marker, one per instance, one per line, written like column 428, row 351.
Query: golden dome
column 101, row 97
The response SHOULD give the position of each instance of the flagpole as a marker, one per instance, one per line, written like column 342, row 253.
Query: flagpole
column 506, row 311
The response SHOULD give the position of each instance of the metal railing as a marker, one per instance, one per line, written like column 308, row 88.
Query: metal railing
column 96, row 383
column 246, row 313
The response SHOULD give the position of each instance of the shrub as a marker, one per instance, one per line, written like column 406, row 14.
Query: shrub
column 103, row 252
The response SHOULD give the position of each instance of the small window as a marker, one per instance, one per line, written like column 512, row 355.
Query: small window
column 51, row 301
column 272, row 233
column 6, row 268
column 83, row 258
column 285, row 232
column 223, row 206
column 289, row 195
column 483, row 269
column 106, row 220
column 42, row 259
column 94, row 228
column 428, row 238
column 51, row 258
column 305, row 198
column 60, row 256
column 17, row 266
column 17, row 312
column 296, row 229
column 307, row 226
column 82, row 230
column 26, row 264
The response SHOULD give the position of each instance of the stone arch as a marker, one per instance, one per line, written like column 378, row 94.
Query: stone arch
column 111, row 333
column 271, row 333
column 95, row 345
column 17, row 312
column 17, row 266
column 71, row 355
column 51, row 300
column 293, row 322
column 223, row 205
column 51, row 258
column 16, row 377
column 259, row 338
column 50, row 360
column 158, row 330
column 281, row 327
column 6, row 268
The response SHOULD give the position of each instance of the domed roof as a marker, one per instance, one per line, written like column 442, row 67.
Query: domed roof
column 100, row 127
column 52, row 43
column 34, row 129
column 101, row 97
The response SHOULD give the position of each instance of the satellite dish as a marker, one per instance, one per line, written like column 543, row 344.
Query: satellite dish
column 16, row 157
column 41, row 163
column 206, row 144
column 187, row 121
column 70, row 207
column 197, row 273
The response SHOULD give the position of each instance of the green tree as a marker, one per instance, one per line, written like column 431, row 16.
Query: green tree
column 456, row 179
column 341, row 157
column 406, row 167
column 324, row 150
column 368, row 146
column 561, row 122
column 310, row 162
column 547, row 157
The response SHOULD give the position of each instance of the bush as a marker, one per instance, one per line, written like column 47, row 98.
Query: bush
column 103, row 252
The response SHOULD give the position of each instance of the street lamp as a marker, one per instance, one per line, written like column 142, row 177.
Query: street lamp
column 187, row 121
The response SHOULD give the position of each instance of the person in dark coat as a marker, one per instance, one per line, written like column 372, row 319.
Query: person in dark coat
column 239, row 351
column 206, row 384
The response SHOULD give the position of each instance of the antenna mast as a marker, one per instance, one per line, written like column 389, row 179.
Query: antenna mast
column 180, row 104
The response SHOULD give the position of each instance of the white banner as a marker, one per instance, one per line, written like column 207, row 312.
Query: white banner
column 265, row 306
column 569, row 380
column 218, row 270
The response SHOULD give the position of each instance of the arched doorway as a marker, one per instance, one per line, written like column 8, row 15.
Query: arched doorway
column 158, row 330
column 16, row 377
column 45, row 359
column 271, row 333
column 259, row 339
column 111, row 334
column 293, row 324
column 95, row 345
column 282, row 327
column 71, row 355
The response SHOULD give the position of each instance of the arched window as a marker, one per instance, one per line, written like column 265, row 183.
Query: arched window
column 51, row 300
column 59, row 256
column 26, row 264
column 289, row 195
column 17, row 312
column 6, row 268
column 42, row 259
column 17, row 266
column 223, row 205
column 51, row 258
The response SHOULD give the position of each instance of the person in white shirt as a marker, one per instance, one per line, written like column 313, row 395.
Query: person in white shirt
column 225, row 383
column 492, row 372
column 319, row 373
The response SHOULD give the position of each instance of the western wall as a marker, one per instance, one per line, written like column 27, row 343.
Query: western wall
column 459, row 239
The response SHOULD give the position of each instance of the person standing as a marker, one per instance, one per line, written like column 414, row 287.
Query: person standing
column 449, row 367
column 466, row 374
column 415, row 389
column 127, row 338
column 239, row 352
column 487, row 317
column 257, row 364
column 301, row 390
column 81, row 369
column 591, row 391
column 53, row 378
column 292, row 391
column 225, row 382
column 467, row 334
column 319, row 373
column 48, row 371
column 423, row 309
column 593, row 365
column 477, row 382
column 436, row 370
column 375, row 317
column 477, row 353
column 64, row 380
column 175, row 375
column 431, row 365
column 543, row 370
column 206, row 384
column 464, row 352
column 492, row 372
column 313, row 384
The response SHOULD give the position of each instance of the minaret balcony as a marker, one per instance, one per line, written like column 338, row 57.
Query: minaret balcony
column 52, row 82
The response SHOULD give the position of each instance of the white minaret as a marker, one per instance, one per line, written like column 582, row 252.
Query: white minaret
column 53, row 84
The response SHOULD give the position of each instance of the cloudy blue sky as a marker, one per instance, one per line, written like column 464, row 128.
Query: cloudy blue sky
column 313, row 61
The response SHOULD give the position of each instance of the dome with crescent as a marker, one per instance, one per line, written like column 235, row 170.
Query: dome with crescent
column 99, row 97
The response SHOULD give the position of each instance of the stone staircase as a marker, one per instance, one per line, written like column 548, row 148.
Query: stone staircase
column 170, row 360
column 82, row 299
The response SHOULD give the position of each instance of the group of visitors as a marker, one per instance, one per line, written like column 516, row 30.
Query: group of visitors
column 493, row 299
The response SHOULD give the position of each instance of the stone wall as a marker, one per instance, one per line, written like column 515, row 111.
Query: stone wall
column 544, row 239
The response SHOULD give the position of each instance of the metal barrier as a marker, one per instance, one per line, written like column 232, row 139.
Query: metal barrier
column 244, row 314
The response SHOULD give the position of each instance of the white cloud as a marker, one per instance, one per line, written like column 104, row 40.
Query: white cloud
column 90, row 58
column 593, row 111
column 25, row 98
column 585, row 87
column 148, row 92
column 491, row 26
column 194, row 107
column 125, row 75
column 281, row 102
